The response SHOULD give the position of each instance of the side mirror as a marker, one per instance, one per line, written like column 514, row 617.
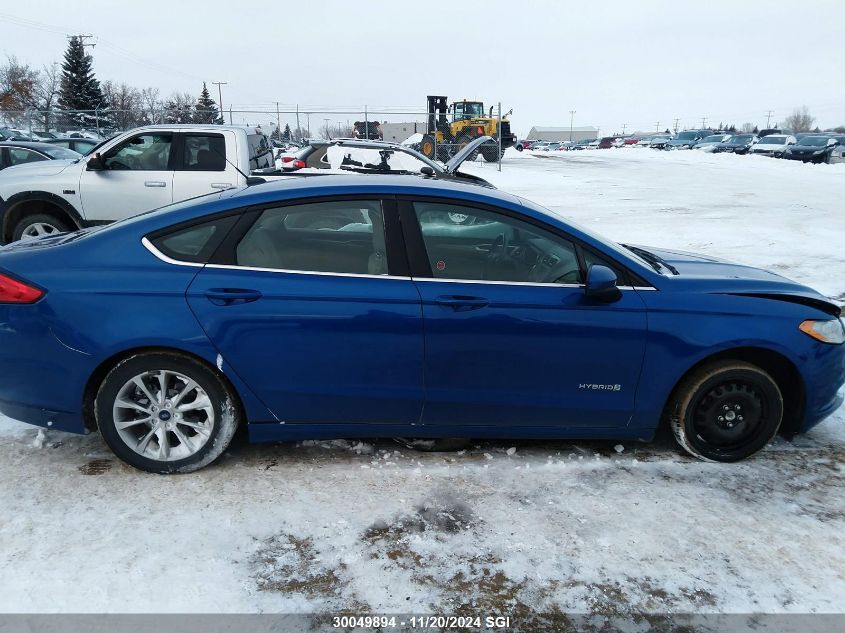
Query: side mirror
column 832, row 142
column 96, row 163
column 601, row 285
column 426, row 170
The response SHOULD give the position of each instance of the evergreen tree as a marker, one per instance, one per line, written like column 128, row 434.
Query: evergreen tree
column 286, row 135
column 205, row 110
column 79, row 89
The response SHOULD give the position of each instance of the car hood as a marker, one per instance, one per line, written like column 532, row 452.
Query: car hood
column 39, row 168
column 468, row 149
column 808, row 148
column 718, row 275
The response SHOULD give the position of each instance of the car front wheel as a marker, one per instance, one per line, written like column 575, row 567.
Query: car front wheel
column 725, row 411
column 165, row 413
column 38, row 225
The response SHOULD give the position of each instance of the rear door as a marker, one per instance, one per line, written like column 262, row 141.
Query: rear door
column 202, row 163
column 138, row 177
column 313, row 307
column 510, row 337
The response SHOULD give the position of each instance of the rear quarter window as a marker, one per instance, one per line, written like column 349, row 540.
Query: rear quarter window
column 195, row 243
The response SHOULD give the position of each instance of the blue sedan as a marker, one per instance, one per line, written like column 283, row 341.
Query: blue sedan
column 392, row 306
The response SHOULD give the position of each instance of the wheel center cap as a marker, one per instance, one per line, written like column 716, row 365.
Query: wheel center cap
column 164, row 416
column 730, row 416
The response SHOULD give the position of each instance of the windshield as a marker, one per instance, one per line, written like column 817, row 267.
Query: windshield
column 716, row 138
column 739, row 140
column 687, row 136
column 772, row 140
column 814, row 141
column 59, row 152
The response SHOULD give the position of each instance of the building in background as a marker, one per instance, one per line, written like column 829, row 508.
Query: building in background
column 398, row 132
column 559, row 134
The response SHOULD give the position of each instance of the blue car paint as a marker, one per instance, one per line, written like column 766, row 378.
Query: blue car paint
column 400, row 363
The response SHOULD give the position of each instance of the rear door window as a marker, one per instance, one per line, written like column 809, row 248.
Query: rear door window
column 203, row 152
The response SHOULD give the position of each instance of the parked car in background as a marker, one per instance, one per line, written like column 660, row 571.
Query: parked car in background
column 770, row 131
column 816, row 148
column 686, row 139
column 607, row 142
column 14, row 134
column 136, row 171
column 379, row 157
column 21, row 152
column 659, row 141
column 709, row 143
column 80, row 145
column 772, row 145
column 44, row 135
column 737, row 144
column 302, row 290
column 524, row 144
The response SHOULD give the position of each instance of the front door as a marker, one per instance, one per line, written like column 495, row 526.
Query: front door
column 138, row 177
column 510, row 338
column 306, row 310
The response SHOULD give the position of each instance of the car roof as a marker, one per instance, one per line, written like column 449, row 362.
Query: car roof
column 62, row 139
column 293, row 187
column 37, row 145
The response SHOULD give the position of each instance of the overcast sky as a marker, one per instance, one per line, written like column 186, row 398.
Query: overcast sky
column 614, row 62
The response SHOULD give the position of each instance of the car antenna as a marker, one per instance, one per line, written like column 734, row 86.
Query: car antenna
column 250, row 180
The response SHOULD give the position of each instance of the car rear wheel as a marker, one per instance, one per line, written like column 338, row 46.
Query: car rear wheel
column 165, row 413
column 725, row 411
column 38, row 225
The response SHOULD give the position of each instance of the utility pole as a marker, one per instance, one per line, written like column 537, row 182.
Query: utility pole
column 703, row 122
column 82, row 39
column 657, row 126
column 571, row 119
column 768, row 117
column 278, row 121
column 328, row 132
column 220, row 85
column 298, row 129
column 624, row 125
column 676, row 125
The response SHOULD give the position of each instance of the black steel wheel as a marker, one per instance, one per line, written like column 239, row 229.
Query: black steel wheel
column 725, row 411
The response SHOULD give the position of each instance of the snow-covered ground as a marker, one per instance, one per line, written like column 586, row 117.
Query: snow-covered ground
column 593, row 527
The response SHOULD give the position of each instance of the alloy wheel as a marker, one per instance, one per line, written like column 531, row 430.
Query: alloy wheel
column 163, row 415
column 39, row 229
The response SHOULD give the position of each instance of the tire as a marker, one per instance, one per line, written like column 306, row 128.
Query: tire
column 427, row 146
column 39, row 224
column 519, row 147
column 189, row 437
column 725, row 411
column 437, row 445
column 491, row 154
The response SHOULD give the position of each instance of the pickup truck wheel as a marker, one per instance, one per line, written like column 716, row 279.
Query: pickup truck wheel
column 725, row 411
column 38, row 225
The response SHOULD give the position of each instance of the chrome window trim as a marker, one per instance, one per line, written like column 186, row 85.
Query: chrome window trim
column 168, row 260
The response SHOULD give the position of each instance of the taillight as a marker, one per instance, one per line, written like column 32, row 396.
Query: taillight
column 288, row 159
column 298, row 164
column 14, row 291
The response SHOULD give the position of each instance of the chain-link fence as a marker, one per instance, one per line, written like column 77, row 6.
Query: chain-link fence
column 439, row 134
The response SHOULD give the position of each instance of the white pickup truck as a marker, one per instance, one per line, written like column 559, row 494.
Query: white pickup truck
column 136, row 171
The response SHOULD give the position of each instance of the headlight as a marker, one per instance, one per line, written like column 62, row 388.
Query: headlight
column 832, row 331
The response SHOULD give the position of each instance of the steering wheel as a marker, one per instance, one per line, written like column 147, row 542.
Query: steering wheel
column 499, row 260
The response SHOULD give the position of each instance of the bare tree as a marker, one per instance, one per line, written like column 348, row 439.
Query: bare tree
column 179, row 108
column 800, row 120
column 17, row 82
column 45, row 93
column 152, row 107
column 748, row 128
column 124, row 103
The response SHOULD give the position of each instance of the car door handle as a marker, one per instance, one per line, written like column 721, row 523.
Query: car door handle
column 231, row 296
column 460, row 303
column 221, row 185
column 155, row 183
